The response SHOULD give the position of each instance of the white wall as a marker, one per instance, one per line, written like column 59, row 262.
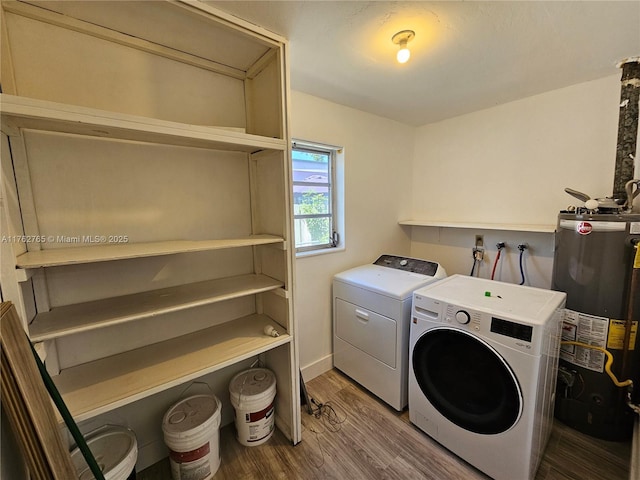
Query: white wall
column 378, row 157
column 510, row 164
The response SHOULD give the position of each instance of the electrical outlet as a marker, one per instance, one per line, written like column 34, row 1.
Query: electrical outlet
column 479, row 241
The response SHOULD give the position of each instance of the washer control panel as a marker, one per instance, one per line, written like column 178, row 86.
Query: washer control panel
column 455, row 314
column 414, row 265
column 463, row 316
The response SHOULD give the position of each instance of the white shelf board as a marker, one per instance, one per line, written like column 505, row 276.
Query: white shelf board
column 23, row 112
column 481, row 226
column 103, row 253
column 81, row 317
column 100, row 386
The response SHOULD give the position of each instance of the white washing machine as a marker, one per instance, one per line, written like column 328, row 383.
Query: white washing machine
column 482, row 373
column 371, row 313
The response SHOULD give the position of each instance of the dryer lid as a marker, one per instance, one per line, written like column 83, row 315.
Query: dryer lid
column 398, row 284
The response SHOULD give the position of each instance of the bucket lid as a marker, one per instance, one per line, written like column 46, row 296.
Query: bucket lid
column 115, row 450
column 255, row 382
column 190, row 413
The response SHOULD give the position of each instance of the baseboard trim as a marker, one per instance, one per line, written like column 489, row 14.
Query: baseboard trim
column 317, row 368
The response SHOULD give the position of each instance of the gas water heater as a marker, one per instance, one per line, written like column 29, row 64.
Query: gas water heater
column 597, row 264
column 593, row 264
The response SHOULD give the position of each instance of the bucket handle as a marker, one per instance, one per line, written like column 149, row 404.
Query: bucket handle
column 194, row 383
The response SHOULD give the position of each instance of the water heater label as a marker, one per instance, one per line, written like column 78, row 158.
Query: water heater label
column 634, row 228
column 584, row 328
column 584, row 228
column 616, row 335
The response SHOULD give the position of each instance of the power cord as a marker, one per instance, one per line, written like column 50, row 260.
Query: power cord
column 329, row 416
column 330, row 421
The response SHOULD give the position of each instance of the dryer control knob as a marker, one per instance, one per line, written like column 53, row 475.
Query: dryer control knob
column 463, row 317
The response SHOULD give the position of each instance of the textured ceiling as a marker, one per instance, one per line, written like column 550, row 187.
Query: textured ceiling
column 466, row 56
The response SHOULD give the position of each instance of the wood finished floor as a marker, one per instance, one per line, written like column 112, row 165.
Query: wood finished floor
column 376, row 442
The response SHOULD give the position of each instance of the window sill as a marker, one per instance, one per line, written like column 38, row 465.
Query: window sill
column 323, row 251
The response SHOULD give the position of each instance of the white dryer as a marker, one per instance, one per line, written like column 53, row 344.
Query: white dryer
column 482, row 373
column 371, row 313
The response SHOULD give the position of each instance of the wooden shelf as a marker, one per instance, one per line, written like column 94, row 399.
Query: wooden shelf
column 22, row 112
column 103, row 253
column 86, row 316
column 108, row 383
column 481, row 226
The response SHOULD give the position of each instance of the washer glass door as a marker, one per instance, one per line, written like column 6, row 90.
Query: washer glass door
column 467, row 381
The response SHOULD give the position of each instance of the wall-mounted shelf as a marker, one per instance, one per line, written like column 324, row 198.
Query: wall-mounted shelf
column 81, row 317
column 481, row 226
column 108, row 383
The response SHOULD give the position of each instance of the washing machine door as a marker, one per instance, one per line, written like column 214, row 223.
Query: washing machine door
column 467, row 380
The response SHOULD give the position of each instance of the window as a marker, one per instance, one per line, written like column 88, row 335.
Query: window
column 314, row 196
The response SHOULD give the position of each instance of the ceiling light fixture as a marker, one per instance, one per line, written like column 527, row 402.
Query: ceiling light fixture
column 401, row 39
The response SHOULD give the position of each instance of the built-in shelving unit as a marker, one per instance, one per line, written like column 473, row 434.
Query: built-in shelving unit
column 146, row 210
column 480, row 226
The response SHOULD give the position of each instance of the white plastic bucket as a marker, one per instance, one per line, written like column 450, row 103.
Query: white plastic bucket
column 191, row 432
column 252, row 393
column 115, row 450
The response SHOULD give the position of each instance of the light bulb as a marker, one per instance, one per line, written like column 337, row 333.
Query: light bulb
column 403, row 54
column 271, row 331
column 402, row 39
